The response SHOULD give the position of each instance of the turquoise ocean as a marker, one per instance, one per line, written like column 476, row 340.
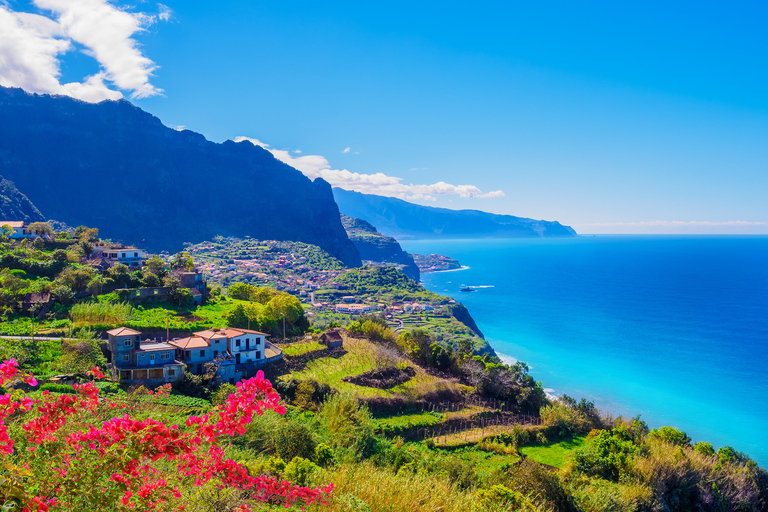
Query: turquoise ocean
column 669, row 327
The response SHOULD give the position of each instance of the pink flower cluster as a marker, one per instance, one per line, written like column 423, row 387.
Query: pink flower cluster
column 9, row 373
column 121, row 453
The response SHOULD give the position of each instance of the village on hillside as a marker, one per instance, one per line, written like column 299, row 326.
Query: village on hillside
column 178, row 317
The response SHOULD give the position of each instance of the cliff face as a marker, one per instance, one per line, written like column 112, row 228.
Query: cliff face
column 113, row 166
column 401, row 219
column 373, row 246
column 16, row 206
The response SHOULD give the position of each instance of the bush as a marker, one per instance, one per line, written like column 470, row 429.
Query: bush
column 349, row 425
column 294, row 439
column 499, row 495
column 606, row 455
column 298, row 470
column 220, row 395
column 324, row 455
column 671, row 435
column 532, row 479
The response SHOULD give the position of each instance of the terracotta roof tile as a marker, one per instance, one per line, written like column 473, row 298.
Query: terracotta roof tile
column 123, row 331
column 190, row 342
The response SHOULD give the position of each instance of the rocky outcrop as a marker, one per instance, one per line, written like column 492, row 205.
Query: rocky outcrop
column 377, row 248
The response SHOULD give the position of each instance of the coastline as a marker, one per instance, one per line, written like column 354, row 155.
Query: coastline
column 594, row 319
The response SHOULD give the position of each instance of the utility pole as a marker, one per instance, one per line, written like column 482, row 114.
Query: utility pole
column 283, row 327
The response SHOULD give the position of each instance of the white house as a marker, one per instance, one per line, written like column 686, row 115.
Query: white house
column 130, row 256
column 20, row 229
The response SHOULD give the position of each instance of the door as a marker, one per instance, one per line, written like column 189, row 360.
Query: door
column 237, row 359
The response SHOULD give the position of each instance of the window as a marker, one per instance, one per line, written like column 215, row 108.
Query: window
column 135, row 255
column 237, row 343
column 189, row 354
column 123, row 255
column 202, row 353
column 258, row 340
column 126, row 357
column 215, row 353
column 156, row 373
column 171, row 372
column 258, row 355
column 165, row 355
column 128, row 342
column 152, row 358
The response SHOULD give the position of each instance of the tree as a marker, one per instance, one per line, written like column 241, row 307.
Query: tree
column 177, row 294
column 76, row 278
column 87, row 234
column 183, row 261
column 155, row 265
column 41, row 228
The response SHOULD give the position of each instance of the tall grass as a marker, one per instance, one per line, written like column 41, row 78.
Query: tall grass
column 381, row 490
column 94, row 313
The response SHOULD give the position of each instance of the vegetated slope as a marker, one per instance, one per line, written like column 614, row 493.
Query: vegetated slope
column 401, row 219
column 16, row 206
column 115, row 166
column 373, row 246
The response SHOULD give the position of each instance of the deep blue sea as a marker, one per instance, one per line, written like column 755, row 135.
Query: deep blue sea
column 672, row 328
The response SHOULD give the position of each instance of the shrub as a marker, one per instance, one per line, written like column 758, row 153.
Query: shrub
column 220, row 395
column 499, row 495
column 606, row 455
column 324, row 455
column 350, row 426
column 671, row 435
column 298, row 470
column 294, row 439
column 704, row 448
column 568, row 421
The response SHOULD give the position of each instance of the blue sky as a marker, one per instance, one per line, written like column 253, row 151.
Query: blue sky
column 612, row 118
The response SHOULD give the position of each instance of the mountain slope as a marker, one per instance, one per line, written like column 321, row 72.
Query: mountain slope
column 114, row 166
column 16, row 206
column 401, row 219
column 373, row 246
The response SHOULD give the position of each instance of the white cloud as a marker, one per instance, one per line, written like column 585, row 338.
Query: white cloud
column 31, row 47
column 297, row 151
column 347, row 150
column 165, row 13
column 316, row 166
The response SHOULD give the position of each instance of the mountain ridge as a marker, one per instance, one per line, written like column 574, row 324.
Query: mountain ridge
column 401, row 219
column 114, row 165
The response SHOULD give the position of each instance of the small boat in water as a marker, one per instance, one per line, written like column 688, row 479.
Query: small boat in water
column 467, row 289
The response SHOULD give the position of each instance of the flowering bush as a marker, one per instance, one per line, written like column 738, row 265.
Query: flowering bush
column 86, row 452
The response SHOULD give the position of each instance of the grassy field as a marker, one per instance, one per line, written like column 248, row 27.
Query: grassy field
column 303, row 347
column 554, row 454
column 359, row 357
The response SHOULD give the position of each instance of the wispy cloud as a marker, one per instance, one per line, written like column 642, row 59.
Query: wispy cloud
column 32, row 45
column 316, row 166
column 347, row 150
